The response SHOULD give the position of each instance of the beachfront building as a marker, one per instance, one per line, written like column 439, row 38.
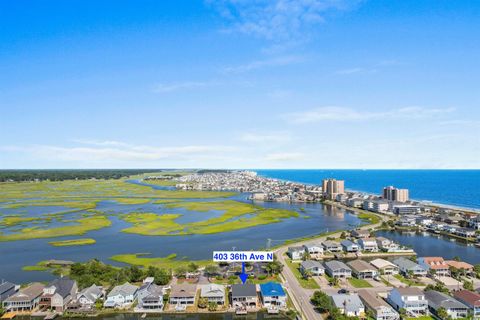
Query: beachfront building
column 313, row 249
column 434, row 265
column 314, row 267
column 407, row 267
column 362, row 269
column 331, row 246
column 386, row 245
column 26, row 299
column 454, row 308
column 337, row 269
column 401, row 209
column 58, row 294
column 368, row 244
column 213, row 292
column 471, row 300
column 349, row 304
column 183, row 294
column 379, row 206
column 332, row 187
column 384, row 266
column 355, row 202
column 121, row 296
column 296, row 253
column 411, row 299
column 273, row 295
column 244, row 295
column 380, row 309
column 391, row 193
column 349, row 246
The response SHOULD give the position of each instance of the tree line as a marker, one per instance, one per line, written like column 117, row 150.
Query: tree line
column 70, row 174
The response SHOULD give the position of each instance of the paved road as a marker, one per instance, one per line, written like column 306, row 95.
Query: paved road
column 299, row 295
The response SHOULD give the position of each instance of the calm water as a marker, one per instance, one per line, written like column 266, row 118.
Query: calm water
column 427, row 244
column 451, row 187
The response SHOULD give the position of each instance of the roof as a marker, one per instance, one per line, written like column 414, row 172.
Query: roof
column 270, row 289
column 435, row 262
column 439, row 299
column 468, row 297
column 349, row 302
column 27, row 294
column 372, row 300
column 330, row 243
column 335, row 265
column 347, row 243
column 183, row 290
column 409, row 291
column 244, row 290
column 63, row 286
column 361, row 231
column 459, row 264
column 309, row 264
column 212, row 289
column 6, row 286
column 382, row 263
column 125, row 289
column 368, row 240
column 92, row 292
column 360, row 265
column 290, row 249
column 406, row 264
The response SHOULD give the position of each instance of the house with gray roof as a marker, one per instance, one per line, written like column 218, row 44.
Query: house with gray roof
column 121, row 296
column 149, row 297
column 407, row 266
column 58, row 294
column 411, row 299
column 349, row 246
column 7, row 289
column 380, row 309
column 314, row 267
column 296, row 253
column 26, row 299
column 337, row 269
column 362, row 269
column 454, row 308
column 349, row 304
column 244, row 295
column 331, row 246
column 213, row 292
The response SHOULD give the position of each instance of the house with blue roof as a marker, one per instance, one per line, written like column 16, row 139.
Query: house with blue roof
column 273, row 295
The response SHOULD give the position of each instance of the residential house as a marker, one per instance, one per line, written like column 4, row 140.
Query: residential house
column 471, row 300
column 349, row 304
column 313, row 248
column 407, row 267
column 26, row 299
column 58, row 294
column 121, row 296
column 355, row 202
column 7, row 289
column 434, row 265
column 88, row 296
column 213, row 292
column 406, row 221
column 337, row 269
column 244, row 295
column 332, row 246
column 384, row 266
column 150, row 296
column 273, row 295
column 454, row 308
column 380, row 309
column 460, row 265
column 386, row 245
column 368, row 244
column 349, row 246
column 183, row 294
column 411, row 299
column 314, row 267
column 362, row 269
column 296, row 253
column 360, row 233
column 474, row 222
column 465, row 232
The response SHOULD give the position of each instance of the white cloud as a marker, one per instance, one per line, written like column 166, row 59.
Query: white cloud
column 259, row 64
column 277, row 20
column 262, row 137
column 285, row 156
column 349, row 114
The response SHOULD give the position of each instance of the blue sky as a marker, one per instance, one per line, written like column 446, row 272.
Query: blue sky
column 240, row 84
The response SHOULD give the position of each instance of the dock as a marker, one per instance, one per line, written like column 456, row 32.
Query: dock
column 50, row 316
column 9, row 315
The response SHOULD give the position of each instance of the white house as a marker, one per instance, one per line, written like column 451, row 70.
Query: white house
column 349, row 304
column 315, row 267
column 313, row 248
column 368, row 244
column 273, row 295
column 378, row 306
column 411, row 299
column 296, row 253
column 384, row 266
column 121, row 296
column 88, row 296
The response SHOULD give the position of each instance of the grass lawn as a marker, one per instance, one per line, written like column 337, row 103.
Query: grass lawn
column 422, row 318
column 307, row 284
column 359, row 283
column 410, row 282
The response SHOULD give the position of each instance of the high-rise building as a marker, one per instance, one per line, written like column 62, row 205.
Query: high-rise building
column 332, row 187
column 394, row 194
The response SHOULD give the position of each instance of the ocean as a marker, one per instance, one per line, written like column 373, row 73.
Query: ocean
column 450, row 187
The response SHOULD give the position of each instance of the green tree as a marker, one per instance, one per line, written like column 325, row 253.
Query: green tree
column 442, row 313
column 136, row 274
column 307, row 274
column 202, row 303
column 212, row 306
column 468, row 285
column 321, row 301
column 192, row 267
column 162, row 276
column 274, row 267
column 181, row 272
column 211, row 270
